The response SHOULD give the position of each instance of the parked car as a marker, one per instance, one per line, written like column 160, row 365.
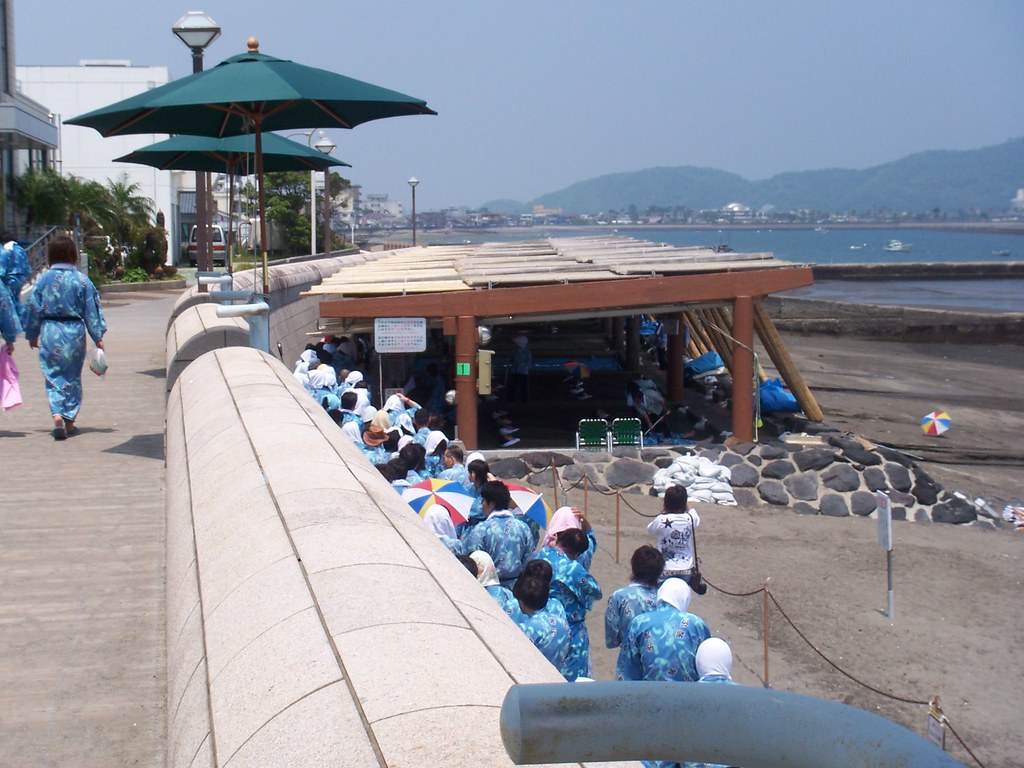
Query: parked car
column 218, row 241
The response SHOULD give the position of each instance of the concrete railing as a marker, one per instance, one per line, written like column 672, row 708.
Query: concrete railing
column 312, row 618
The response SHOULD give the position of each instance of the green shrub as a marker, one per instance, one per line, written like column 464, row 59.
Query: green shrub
column 135, row 275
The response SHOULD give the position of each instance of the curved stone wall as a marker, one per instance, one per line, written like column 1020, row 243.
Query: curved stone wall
column 312, row 619
column 196, row 331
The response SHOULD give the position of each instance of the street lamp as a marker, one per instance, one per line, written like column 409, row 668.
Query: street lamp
column 312, row 189
column 326, row 146
column 197, row 30
column 412, row 183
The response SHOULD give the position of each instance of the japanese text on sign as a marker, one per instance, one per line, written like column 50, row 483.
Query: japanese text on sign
column 399, row 334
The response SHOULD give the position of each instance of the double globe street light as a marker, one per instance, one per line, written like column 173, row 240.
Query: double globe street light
column 326, row 146
column 412, row 183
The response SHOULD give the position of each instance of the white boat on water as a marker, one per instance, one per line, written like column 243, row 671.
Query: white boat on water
column 1001, row 253
column 896, row 246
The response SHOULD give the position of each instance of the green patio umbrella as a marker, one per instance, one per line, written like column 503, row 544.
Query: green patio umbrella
column 252, row 93
column 235, row 156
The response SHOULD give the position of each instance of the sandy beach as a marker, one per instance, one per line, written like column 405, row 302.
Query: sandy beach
column 957, row 623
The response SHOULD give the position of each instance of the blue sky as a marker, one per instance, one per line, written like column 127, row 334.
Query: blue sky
column 534, row 96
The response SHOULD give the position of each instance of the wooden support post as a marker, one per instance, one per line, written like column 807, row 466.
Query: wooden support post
column 618, row 525
column 633, row 343
column 743, row 369
column 676, row 351
column 465, row 381
column 790, row 374
column 698, row 333
column 618, row 331
column 721, row 338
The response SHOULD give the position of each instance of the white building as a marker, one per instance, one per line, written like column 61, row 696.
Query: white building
column 71, row 91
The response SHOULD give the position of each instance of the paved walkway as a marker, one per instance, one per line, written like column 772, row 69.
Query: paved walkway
column 82, row 646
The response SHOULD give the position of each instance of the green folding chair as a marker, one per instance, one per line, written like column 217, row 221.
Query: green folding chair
column 627, row 432
column 592, row 435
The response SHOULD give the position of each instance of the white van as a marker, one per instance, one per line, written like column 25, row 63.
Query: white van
column 218, row 242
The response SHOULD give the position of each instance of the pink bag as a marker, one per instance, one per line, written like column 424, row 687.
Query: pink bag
column 10, row 389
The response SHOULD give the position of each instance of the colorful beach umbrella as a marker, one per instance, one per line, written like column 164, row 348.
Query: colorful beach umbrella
column 935, row 423
column 531, row 504
column 577, row 369
column 448, row 493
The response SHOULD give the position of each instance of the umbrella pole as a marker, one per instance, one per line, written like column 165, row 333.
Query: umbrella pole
column 231, row 218
column 262, row 204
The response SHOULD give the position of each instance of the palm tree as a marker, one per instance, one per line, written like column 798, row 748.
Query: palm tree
column 126, row 212
column 41, row 194
column 85, row 199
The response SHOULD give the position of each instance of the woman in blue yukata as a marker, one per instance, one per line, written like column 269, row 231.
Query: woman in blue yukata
column 10, row 324
column 639, row 597
column 574, row 587
column 63, row 307
column 714, row 665
column 487, row 575
column 662, row 644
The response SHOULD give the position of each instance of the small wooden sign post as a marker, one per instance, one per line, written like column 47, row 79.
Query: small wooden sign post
column 884, row 508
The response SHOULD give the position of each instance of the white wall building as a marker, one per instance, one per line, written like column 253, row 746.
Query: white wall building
column 71, row 91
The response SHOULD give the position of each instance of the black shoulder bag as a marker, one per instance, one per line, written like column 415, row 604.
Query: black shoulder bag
column 696, row 581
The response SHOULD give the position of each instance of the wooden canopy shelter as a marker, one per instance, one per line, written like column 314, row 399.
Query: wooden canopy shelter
column 715, row 294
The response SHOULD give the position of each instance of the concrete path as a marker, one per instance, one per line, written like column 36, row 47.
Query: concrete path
column 82, row 645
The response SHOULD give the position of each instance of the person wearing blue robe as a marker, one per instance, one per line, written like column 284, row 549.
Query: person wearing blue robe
column 574, row 587
column 639, row 597
column 487, row 575
column 662, row 644
column 10, row 323
column 63, row 307
column 503, row 536
column 542, row 620
column 14, row 269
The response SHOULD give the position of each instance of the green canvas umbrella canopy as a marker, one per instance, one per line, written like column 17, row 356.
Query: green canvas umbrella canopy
column 234, row 155
column 252, row 93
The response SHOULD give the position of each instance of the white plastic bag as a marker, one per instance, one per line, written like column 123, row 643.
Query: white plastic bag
column 97, row 359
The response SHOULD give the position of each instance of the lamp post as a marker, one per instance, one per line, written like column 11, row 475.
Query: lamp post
column 412, row 183
column 312, row 190
column 197, row 30
column 326, row 146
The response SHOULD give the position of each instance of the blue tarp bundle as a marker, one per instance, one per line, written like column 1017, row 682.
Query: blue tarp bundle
column 709, row 361
column 776, row 399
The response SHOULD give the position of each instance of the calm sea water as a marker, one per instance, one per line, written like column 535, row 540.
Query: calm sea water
column 838, row 246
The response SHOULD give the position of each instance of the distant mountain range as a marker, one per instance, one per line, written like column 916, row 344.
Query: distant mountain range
column 985, row 179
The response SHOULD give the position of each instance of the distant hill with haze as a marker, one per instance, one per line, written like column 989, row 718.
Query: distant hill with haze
column 983, row 179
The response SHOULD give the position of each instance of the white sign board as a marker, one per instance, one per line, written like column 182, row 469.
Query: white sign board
column 884, row 506
column 399, row 334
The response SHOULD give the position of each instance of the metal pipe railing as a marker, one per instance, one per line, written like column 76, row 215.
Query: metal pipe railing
column 727, row 724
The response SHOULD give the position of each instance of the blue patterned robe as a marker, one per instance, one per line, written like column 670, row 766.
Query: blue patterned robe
column 63, row 306
column 623, row 606
column 14, row 271
column 662, row 645
column 458, row 473
column 10, row 323
column 576, row 590
column 506, row 538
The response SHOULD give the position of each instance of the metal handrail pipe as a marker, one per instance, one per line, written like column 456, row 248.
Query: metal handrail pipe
column 254, row 309
column 213, row 278
column 726, row 724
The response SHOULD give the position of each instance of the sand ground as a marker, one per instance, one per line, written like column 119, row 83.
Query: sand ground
column 957, row 625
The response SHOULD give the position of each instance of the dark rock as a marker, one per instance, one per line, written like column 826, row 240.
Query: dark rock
column 653, row 454
column 745, row 497
column 901, row 497
column 743, row 448
column 893, row 455
column 777, row 470
column 511, row 468
column 955, row 511
column 834, row 505
column 803, row 486
column 899, row 477
column 730, row 460
column 575, row 472
column 683, row 450
column 803, row 508
column 899, row 513
column 773, row 492
column 712, row 453
column 843, row 442
column 921, row 516
column 811, row 459
column 841, row 477
column 862, row 503
column 925, row 490
column 771, row 452
column 538, row 459
column 744, row 476
column 663, row 461
column 858, row 455
column 625, row 452
column 626, row 472
column 875, row 479
column 540, row 478
column 754, row 459
column 596, row 457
